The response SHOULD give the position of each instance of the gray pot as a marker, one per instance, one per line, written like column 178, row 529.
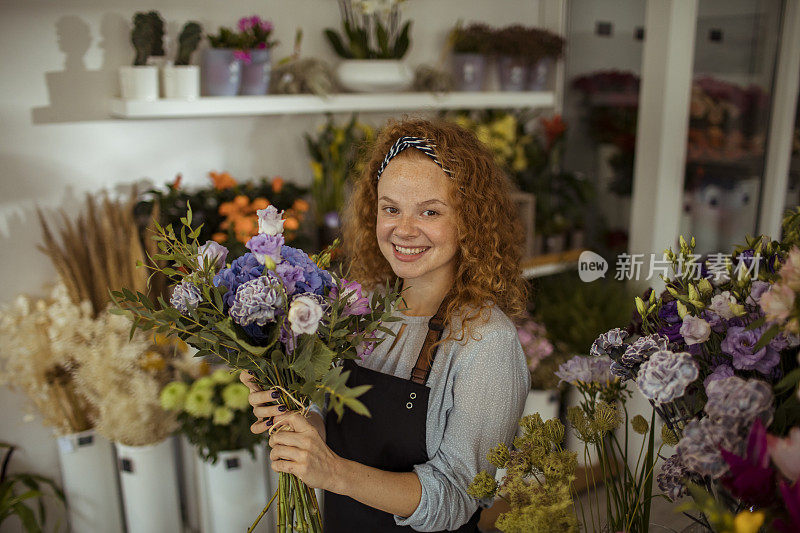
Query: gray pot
column 513, row 73
column 220, row 72
column 469, row 71
column 255, row 74
column 540, row 74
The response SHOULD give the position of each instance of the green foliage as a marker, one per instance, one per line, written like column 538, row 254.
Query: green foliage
column 370, row 35
column 147, row 36
column 226, row 38
column 473, row 39
column 530, row 43
column 19, row 491
column 187, row 42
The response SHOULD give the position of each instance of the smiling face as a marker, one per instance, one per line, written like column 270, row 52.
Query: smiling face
column 416, row 226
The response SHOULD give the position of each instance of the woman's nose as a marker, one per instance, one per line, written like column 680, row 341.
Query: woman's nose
column 406, row 227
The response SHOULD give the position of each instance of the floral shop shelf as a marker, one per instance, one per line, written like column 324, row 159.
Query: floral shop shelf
column 547, row 264
column 339, row 103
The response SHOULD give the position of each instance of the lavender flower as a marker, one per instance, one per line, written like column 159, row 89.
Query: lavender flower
column 185, row 296
column 586, row 370
column 270, row 221
column 357, row 304
column 266, row 246
column 257, row 301
column 721, row 304
column 695, row 330
column 736, row 402
column 242, row 270
column 611, row 343
column 720, row 372
column 315, row 279
column 290, row 275
column 739, row 345
column 714, row 320
column 671, row 321
column 757, row 288
column 672, row 477
column 699, row 449
column 212, row 253
column 665, row 376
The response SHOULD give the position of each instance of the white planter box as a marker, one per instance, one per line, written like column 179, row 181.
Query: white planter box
column 374, row 75
column 138, row 83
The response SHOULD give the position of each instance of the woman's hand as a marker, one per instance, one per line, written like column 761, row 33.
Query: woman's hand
column 264, row 403
column 299, row 449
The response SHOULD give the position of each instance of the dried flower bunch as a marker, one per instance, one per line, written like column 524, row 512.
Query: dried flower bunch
column 97, row 252
column 475, row 38
column 525, row 42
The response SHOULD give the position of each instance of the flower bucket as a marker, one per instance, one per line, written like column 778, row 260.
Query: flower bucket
column 374, row 75
column 469, row 71
column 149, row 487
column 513, row 73
column 541, row 74
column 220, row 72
column 255, row 74
column 181, row 82
column 90, row 482
column 233, row 491
column 138, row 83
column 544, row 402
column 189, row 484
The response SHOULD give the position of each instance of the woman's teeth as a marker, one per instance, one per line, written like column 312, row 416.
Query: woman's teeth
column 409, row 251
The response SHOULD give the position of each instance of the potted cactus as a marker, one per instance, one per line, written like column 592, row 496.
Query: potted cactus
column 182, row 80
column 140, row 81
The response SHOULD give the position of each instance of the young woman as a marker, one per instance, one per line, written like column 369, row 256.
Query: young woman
column 432, row 209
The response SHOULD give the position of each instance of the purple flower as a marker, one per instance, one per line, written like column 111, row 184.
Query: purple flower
column 242, row 270
column 245, row 23
column 791, row 502
column 288, row 338
column 750, row 478
column 671, row 321
column 736, row 402
column 332, row 219
column 257, row 301
column 721, row 304
column 757, row 288
column 695, row 330
column 212, row 253
column 315, row 280
column 365, row 349
column 290, row 275
column 714, row 320
column 739, row 345
column 266, row 246
column 610, row 343
column 666, row 375
column 357, row 304
column 672, row 478
column 699, row 449
column 586, row 370
column 720, row 372
column 185, row 296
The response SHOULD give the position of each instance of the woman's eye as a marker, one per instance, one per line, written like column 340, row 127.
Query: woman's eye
column 430, row 213
column 389, row 210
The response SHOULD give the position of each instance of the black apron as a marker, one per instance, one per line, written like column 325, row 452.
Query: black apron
column 393, row 439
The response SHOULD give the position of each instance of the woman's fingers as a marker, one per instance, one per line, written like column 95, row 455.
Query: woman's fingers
column 264, row 411
column 286, row 453
column 263, row 397
column 261, row 426
column 294, row 420
column 249, row 379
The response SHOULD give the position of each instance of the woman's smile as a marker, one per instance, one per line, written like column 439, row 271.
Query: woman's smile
column 409, row 253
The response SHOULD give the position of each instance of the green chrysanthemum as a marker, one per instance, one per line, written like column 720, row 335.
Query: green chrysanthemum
column 173, row 395
column 222, row 416
column 203, row 383
column 235, row 396
column 223, row 376
column 199, row 402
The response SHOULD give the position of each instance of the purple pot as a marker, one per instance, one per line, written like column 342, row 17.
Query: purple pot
column 541, row 74
column 513, row 73
column 469, row 71
column 255, row 74
column 220, row 72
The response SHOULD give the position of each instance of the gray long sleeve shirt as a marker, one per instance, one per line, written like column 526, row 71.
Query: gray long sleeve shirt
column 477, row 395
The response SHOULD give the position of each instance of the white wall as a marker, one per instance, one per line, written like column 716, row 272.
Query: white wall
column 59, row 63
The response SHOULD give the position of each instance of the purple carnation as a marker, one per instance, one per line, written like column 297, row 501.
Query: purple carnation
column 739, row 345
column 586, row 370
column 666, row 375
column 699, row 449
column 242, row 270
column 264, row 246
column 185, row 296
column 611, row 343
column 257, row 301
column 671, row 321
column 736, row 402
column 673, row 476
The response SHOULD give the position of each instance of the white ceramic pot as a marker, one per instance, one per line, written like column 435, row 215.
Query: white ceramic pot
column 90, row 482
column 374, row 75
column 149, row 487
column 139, row 82
column 181, row 82
column 544, row 402
column 233, row 491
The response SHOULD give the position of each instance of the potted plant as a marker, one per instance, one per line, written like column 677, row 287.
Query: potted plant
column 221, row 65
column 140, row 81
column 372, row 46
column 256, row 63
column 470, row 45
column 182, row 80
column 14, row 500
column 214, row 416
column 522, row 51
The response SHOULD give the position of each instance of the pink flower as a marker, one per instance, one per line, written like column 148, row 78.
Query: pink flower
column 242, row 55
column 777, row 302
column 266, row 25
column 245, row 23
column 357, row 304
column 261, row 46
column 790, row 271
column 785, row 453
column 695, row 330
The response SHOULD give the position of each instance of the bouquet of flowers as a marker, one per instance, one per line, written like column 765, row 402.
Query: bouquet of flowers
column 213, row 413
column 275, row 312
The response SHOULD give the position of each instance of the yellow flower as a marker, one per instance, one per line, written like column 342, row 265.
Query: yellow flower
column 222, row 375
column 235, row 396
column 520, row 162
column 483, row 134
column 199, row 402
column 152, row 362
column 316, row 169
column 463, row 121
column 747, row 522
column 173, row 395
column 505, row 127
column 222, row 416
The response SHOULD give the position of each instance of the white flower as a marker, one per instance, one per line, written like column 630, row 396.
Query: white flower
column 695, row 330
column 270, row 221
column 721, row 305
column 304, row 315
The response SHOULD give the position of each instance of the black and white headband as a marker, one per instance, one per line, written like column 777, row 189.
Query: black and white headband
column 423, row 145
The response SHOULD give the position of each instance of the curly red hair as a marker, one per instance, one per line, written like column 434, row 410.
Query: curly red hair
column 489, row 235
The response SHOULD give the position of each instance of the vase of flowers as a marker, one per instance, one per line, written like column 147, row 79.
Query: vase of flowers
column 256, row 65
column 372, row 47
column 221, row 64
column 140, row 81
column 213, row 414
column 521, row 51
column 470, row 45
column 182, row 80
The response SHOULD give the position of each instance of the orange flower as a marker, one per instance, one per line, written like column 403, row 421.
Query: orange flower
column 259, row 203
column 291, row 223
column 277, row 184
column 175, row 185
column 301, row 205
column 222, row 180
column 220, row 237
column 228, row 209
column 554, row 129
column 241, row 201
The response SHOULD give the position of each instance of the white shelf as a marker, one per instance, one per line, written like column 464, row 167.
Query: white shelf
column 298, row 104
column 555, row 263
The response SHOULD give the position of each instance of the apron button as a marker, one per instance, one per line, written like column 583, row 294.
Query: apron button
column 409, row 405
column 413, row 395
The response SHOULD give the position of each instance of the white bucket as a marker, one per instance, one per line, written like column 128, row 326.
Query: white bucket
column 90, row 483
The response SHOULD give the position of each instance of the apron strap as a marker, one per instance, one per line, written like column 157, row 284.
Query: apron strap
column 428, row 352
